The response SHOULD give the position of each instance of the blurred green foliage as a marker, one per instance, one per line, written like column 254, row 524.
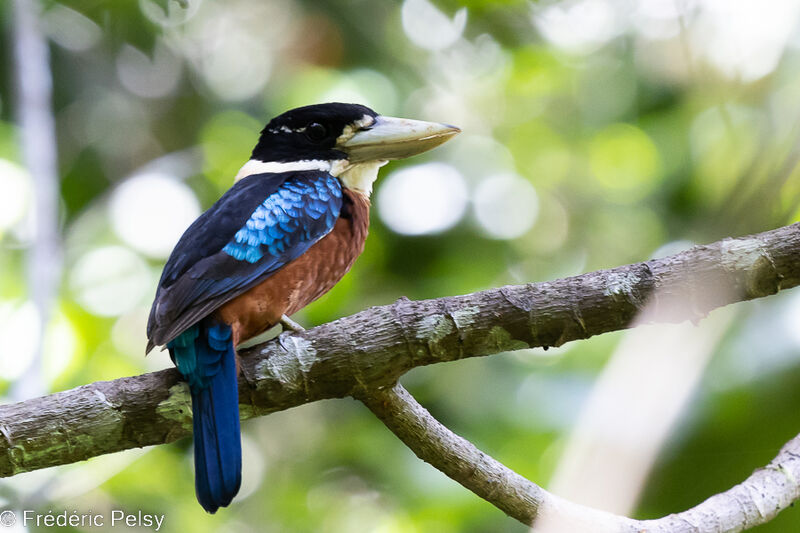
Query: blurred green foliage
column 622, row 132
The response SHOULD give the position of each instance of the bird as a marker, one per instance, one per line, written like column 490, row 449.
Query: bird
column 287, row 230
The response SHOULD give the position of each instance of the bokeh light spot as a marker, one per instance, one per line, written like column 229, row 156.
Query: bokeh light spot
column 117, row 124
column 253, row 475
column 234, row 45
column 69, row 29
column 478, row 156
column 230, row 71
column 109, row 281
column 624, row 160
column 150, row 77
column 422, row 199
column 429, row 28
column 744, row 40
column 580, row 26
column 540, row 153
column 151, row 211
column 506, row 206
column 363, row 86
column 20, row 329
column 61, row 343
column 791, row 319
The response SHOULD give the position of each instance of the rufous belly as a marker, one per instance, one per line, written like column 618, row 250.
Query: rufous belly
column 303, row 280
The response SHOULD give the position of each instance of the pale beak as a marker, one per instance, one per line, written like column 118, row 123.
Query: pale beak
column 395, row 138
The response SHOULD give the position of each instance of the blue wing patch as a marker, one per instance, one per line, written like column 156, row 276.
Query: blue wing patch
column 207, row 269
column 288, row 217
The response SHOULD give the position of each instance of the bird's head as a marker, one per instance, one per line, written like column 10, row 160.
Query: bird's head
column 350, row 141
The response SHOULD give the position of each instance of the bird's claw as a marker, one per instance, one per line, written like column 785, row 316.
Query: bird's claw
column 282, row 342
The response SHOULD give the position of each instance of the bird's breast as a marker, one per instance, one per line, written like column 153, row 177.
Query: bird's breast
column 306, row 278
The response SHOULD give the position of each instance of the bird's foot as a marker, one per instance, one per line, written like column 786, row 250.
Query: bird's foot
column 290, row 325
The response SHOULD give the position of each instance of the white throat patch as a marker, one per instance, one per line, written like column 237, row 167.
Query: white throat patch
column 358, row 177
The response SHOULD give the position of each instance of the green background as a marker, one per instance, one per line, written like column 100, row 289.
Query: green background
column 594, row 135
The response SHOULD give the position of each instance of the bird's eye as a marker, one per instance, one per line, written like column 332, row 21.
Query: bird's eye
column 316, row 131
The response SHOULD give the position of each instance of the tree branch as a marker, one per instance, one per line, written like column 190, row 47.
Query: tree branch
column 458, row 458
column 754, row 501
column 373, row 348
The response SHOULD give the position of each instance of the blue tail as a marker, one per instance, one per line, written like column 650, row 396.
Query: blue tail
column 205, row 357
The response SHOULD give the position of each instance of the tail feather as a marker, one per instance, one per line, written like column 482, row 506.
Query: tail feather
column 217, row 448
column 209, row 365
